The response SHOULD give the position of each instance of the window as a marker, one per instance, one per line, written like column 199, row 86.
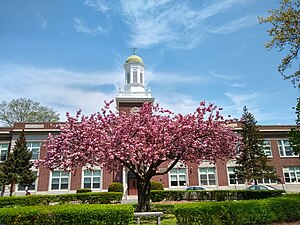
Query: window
column 134, row 77
column 285, row 148
column 141, row 78
column 31, row 187
column 60, row 180
column 92, row 179
column 34, row 147
column 207, row 176
column 128, row 78
column 3, row 151
column 267, row 148
column 292, row 174
column 232, row 177
column 178, row 176
column 266, row 181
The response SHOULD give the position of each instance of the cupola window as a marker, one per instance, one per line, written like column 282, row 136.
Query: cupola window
column 128, row 78
column 134, row 77
column 141, row 78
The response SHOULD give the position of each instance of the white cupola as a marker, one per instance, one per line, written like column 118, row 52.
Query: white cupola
column 134, row 88
column 134, row 74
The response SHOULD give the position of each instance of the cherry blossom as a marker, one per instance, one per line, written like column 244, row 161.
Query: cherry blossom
column 141, row 141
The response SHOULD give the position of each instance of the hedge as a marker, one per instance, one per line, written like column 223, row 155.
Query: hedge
column 264, row 211
column 215, row 195
column 84, row 190
column 86, row 198
column 67, row 214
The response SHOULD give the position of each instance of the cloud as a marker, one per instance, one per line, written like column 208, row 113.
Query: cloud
column 98, row 5
column 176, row 78
column 175, row 25
column 60, row 89
column 82, row 26
column 225, row 77
column 42, row 22
column 234, row 25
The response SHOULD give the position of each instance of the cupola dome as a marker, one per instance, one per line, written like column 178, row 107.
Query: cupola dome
column 134, row 59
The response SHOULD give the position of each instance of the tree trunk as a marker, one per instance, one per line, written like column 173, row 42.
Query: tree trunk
column 143, row 188
column 11, row 188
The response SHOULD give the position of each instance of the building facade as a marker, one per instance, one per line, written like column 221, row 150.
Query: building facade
column 131, row 96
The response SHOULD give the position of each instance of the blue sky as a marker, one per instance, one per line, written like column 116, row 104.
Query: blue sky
column 69, row 54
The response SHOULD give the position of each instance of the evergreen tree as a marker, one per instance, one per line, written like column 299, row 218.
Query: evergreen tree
column 294, row 134
column 17, row 168
column 252, row 163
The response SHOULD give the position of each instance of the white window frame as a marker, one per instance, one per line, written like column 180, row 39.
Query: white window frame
column 30, row 147
column 293, row 173
column 35, row 184
column 267, row 148
column 282, row 146
column 208, row 165
column 266, row 181
column 178, row 167
column 92, row 176
column 60, row 180
column 2, row 149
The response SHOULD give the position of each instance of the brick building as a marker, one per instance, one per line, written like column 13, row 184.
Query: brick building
column 134, row 93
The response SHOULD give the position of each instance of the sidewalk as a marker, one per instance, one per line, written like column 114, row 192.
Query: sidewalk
column 130, row 199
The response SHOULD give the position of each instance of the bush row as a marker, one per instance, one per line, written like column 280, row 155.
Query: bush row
column 264, row 211
column 67, row 214
column 215, row 195
column 85, row 198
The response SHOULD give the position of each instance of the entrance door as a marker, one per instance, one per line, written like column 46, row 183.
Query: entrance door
column 132, row 184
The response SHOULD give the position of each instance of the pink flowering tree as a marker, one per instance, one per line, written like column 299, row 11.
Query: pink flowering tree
column 141, row 141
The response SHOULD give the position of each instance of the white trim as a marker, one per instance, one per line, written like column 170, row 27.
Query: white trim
column 101, row 178
column 179, row 165
column 59, row 190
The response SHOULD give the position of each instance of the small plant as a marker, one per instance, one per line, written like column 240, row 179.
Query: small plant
column 156, row 185
column 115, row 187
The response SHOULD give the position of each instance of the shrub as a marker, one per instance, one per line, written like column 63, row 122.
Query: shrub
column 115, row 187
column 215, row 195
column 83, row 190
column 86, row 198
column 68, row 214
column 156, row 185
column 262, row 211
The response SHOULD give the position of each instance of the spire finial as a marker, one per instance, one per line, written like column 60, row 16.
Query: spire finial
column 133, row 50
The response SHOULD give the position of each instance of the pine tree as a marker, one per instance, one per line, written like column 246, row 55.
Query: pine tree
column 252, row 163
column 17, row 168
column 294, row 134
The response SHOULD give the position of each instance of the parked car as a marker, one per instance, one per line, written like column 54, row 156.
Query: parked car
column 196, row 188
column 260, row 188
